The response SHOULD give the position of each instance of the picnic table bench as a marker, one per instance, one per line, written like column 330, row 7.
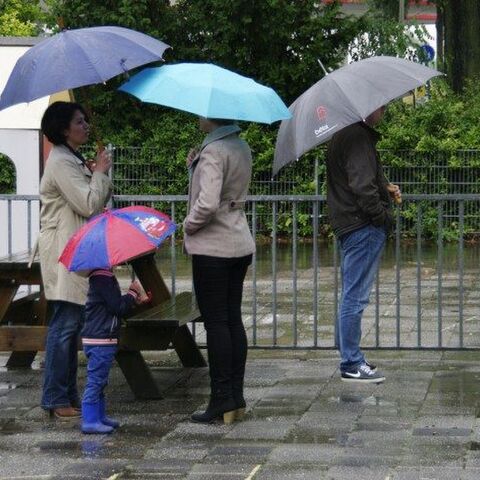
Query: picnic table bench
column 157, row 326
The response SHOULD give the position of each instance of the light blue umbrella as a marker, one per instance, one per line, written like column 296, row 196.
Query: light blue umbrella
column 209, row 91
column 75, row 58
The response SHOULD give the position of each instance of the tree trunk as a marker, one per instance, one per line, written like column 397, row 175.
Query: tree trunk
column 461, row 40
column 439, row 24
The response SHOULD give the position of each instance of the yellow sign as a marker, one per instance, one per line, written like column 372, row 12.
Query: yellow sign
column 419, row 95
column 65, row 96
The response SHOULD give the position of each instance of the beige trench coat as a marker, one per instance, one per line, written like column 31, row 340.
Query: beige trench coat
column 70, row 195
column 216, row 224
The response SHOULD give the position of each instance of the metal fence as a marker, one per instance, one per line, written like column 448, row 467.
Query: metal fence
column 140, row 171
column 144, row 171
column 426, row 293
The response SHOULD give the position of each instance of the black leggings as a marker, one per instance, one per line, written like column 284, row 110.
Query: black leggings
column 218, row 286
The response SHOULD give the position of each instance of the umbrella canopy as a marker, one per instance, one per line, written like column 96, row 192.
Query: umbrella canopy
column 75, row 58
column 207, row 90
column 115, row 237
column 345, row 96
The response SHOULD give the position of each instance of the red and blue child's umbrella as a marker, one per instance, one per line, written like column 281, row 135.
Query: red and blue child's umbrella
column 116, row 236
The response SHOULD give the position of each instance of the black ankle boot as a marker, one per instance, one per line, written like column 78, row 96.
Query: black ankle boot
column 218, row 407
column 239, row 400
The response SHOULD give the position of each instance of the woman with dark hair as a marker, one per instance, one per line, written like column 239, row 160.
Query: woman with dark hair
column 71, row 191
column 219, row 240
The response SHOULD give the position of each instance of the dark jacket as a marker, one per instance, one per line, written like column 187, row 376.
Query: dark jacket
column 104, row 308
column 357, row 192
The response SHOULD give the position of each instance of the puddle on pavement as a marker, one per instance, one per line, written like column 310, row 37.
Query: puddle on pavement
column 374, row 400
column 73, row 448
column 115, row 446
column 92, row 448
column 369, row 400
column 7, row 386
column 36, row 365
column 457, row 382
column 11, row 427
column 305, row 436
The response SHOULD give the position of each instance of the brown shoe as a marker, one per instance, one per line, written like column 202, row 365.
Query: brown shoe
column 65, row 413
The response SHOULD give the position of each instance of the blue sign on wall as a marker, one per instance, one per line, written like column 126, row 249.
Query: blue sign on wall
column 428, row 51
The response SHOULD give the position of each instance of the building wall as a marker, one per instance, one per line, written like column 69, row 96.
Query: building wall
column 20, row 140
column 18, row 227
column 422, row 11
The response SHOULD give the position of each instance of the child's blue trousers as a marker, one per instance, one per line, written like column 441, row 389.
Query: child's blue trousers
column 100, row 359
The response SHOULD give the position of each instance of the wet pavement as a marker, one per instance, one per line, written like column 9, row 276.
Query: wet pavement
column 302, row 423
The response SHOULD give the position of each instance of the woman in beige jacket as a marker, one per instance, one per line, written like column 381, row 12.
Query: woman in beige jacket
column 70, row 192
column 219, row 240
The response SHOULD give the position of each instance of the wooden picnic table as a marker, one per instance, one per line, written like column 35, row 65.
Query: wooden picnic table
column 160, row 325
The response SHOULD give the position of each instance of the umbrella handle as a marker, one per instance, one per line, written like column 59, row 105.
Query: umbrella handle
column 91, row 118
column 133, row 277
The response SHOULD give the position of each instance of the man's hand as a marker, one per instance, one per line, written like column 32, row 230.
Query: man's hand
column 395, row 193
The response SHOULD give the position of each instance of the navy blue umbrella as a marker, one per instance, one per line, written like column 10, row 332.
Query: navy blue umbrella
column 75, row 58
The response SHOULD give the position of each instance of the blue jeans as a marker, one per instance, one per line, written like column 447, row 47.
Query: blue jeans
column 360, row 252
column 60, row 382
column 100, row 359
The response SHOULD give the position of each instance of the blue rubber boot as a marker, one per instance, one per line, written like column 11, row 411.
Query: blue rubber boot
column 103, row 418
column 91, row 419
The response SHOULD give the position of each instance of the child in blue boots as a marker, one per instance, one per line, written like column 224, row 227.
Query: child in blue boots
column 104, row 309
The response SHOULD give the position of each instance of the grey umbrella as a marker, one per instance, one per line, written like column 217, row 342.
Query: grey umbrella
column 343, row 97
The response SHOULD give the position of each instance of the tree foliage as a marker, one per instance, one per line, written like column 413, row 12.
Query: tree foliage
column 447, row 122
column 277, row 42
column 383, row 34
column 22, row 18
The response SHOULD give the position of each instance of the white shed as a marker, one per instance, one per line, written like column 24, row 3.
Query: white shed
column 22, row 142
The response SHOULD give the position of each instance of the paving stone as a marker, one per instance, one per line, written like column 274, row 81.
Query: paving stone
column 302, row 423
column 164, row 466
column 186, row 451
column 274, row 429
column 303, row 453
column 197, row 431
column 434, row 431
column 433, row 473
column 358, row 473
column 215, row 471
column 93, row 469
column 237, row 453
column 285, row 472
column 365, row 458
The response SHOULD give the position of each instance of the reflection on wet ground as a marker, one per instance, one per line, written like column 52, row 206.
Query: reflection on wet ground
column 302, row 423
column 408, row 307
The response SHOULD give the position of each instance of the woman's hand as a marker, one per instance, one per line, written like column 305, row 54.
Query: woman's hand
column 395, row 193
column 191, row 155
column 102, row 162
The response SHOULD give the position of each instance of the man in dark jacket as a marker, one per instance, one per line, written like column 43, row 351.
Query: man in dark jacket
column 358, row 198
